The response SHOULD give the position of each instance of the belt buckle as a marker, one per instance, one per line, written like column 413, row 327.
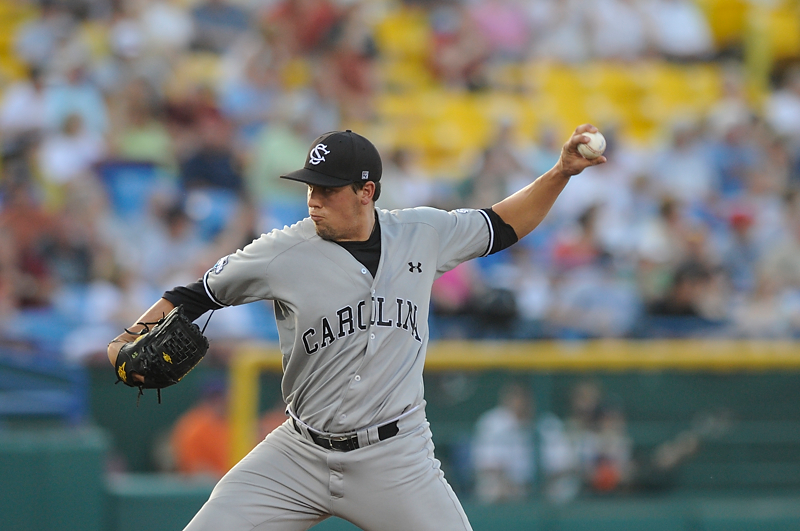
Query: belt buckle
column 340, row 438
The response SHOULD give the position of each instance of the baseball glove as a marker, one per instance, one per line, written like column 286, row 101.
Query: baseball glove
column 162, row 355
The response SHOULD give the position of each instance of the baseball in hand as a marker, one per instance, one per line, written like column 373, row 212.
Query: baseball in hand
column 595, row 147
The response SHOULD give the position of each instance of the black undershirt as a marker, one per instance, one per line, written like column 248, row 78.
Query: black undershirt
column 367, row 252
column 196, row 301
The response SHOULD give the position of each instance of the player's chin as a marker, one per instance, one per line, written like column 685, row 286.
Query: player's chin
column 324, row 231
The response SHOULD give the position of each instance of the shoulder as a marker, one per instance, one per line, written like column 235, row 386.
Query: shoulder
column 278, row 241
column 427, row 215
column 298, row 232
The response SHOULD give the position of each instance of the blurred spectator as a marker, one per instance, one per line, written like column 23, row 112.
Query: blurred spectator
column 303, row 26
column 459, row 52
column 683, row 169
column 200, row 439
column 125, row 35
column 405, row 182
column 618, row 30
column 251, row 99
column 503, row 26
column 611, row 464
column 70, row 154
column 661, row 247
column 679, row 29
column 140, row 134
column 560, row 30
column 781, row 261
column 782, row 108
column 168, row 249
column 759, row 314
column 214, row 163
column 498, row 171
column 166, row 27
column 36, row 41
column 741, row 251
column 75, row 94
column 597, row 429
column 30, row 230
column 503, row 448
column 454, row 294
column 579, row 246
column 733, row 105
column 217, row 24
column 9, row 275
column 540, row 156
column 685, row 292
column 592, row 301
column 278, row 148
column 350, row 65
column 527, row 278
column 23, row 106
column 734, row 155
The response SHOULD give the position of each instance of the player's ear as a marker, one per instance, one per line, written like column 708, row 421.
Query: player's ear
column 367, row 192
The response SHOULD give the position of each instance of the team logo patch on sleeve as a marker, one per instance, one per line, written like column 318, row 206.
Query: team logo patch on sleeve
column 464, row 210
column 220, row 264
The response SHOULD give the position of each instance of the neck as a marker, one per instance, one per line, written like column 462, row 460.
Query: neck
column 366, row 224
column 369, row 225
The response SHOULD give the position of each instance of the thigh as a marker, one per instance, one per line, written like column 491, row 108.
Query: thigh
column 397, row 485
column 281, row 484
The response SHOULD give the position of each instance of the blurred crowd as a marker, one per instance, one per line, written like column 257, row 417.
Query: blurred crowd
column 518, row 452
column 145, row 139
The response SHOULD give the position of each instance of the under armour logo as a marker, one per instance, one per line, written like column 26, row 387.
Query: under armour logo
column 317, row 154
column 412, row 267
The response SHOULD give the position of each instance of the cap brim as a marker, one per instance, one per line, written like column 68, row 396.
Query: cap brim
column 307, row 176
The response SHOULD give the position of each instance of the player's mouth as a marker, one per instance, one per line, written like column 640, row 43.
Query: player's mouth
column 315, row 218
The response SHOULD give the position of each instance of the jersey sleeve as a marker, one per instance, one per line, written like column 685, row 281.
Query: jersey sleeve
column 463, row 234
column 241, row 277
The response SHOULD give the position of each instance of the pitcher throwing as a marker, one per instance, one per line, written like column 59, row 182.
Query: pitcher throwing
column 351, row 286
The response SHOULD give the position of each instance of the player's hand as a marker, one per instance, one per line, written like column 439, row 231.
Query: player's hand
column 113, row 352
column 571, row 162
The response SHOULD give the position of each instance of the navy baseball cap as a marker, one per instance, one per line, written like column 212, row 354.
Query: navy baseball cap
column 337, row 159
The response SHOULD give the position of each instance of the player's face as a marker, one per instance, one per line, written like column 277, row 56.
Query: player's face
column 335, row 212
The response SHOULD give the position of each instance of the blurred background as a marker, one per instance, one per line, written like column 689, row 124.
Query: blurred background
column 141, row 140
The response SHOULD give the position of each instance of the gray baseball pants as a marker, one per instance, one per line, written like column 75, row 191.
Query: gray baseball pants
column 288, row 483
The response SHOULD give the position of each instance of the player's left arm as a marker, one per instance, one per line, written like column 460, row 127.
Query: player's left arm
column 525, row 209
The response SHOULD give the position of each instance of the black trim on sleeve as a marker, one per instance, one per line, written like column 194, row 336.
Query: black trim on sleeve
column 194, row 298
column 504, row 234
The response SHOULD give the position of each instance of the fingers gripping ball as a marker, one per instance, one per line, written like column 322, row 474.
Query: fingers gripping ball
column 595, row 147
column 162, row 355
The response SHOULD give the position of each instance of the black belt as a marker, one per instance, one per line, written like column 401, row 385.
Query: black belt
column 345, row 444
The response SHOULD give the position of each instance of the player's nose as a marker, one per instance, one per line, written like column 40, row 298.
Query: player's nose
column 313, row 198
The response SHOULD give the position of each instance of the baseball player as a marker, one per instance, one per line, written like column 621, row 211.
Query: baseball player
column 351, row 287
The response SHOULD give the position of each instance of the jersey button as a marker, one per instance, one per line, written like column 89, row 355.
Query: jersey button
column 357, row 378
column 363, row 270
column 342, row 416
column 372, row 336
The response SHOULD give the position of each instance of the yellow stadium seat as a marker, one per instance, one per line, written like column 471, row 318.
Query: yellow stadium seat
column 784, row 31
column 727, row 19
column 404, row 33
column 405, row 74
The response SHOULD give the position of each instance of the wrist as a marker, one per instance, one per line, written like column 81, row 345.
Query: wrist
column 559, row 172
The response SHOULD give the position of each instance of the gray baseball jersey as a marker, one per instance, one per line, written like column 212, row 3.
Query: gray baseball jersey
column 353, row 346
column 353, row 353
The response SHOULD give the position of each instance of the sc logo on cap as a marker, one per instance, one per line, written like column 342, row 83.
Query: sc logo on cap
column 317, row 154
